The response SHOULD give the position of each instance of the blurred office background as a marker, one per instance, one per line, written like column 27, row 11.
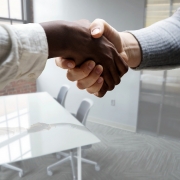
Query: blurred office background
column 118, row 108
column 146, row 101
column 159, row 94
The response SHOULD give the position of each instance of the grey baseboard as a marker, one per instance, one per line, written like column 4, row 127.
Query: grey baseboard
column 112, row 124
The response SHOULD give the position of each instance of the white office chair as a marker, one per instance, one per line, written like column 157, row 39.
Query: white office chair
column 81, row 115
column 9, row 166
column 62, row 94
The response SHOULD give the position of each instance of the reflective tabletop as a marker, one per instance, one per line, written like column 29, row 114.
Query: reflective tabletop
column 33, row 125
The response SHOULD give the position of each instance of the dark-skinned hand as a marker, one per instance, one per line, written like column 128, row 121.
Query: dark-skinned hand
column 70, row 40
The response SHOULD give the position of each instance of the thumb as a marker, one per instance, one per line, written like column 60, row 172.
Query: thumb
column 97, row 28
column 100, row 27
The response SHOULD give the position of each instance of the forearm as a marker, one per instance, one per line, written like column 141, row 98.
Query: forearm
column 131, row 49
column 160, row 44
column 57, row 37
column 23, row 53
column 65, row 38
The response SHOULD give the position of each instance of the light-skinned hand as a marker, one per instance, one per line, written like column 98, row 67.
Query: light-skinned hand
column 126, row 45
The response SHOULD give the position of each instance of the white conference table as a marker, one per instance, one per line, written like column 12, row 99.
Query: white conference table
column 33, row 125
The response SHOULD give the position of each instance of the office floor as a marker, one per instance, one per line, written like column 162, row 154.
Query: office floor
column 122, row 156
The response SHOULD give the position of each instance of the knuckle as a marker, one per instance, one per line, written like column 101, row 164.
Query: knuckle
column 61, row 63
column 90, row 91
column 84, row 70
column 117, row 81
column 69, row 76
column 101, row 94
column 80, row 85
column 111, row 87
column 98, row 19
column 102, row 91
column 125, row 70
column 57, row 62
column 85, row 73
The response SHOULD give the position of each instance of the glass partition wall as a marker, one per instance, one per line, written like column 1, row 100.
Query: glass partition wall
column 159, row 98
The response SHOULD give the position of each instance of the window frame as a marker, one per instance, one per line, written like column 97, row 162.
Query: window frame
column 26, row 13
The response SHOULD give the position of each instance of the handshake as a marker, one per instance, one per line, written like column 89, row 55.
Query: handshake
column 95, row 54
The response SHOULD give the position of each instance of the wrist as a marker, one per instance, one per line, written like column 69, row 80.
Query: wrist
column 56, row 34
column 130, row 49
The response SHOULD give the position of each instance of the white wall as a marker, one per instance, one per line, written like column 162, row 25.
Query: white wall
column 123, row 15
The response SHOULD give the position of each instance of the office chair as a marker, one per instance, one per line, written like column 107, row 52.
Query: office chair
column 21, row 172
column 81, row 115
column 62, row 94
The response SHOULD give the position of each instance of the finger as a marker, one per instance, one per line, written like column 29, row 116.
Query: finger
column 121, row 65
column 97, row 28
column 114, row 69
column 80, row 72
column 103, row 90
column 108, row 79
column 115, row 75
column 64, row 63
column 91, row 78
column 100, row 27
column 95, row 88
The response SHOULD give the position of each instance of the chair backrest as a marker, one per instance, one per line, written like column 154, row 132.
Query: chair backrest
column 83, row 110
column 62, row 94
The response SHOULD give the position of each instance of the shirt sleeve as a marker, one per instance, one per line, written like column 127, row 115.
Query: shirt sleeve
column 23, row 52
column 160, row 44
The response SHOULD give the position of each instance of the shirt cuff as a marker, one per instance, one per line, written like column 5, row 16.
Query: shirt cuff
column 32, row 47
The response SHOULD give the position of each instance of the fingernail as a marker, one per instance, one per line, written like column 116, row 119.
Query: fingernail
column 70, row 65
column 95, row 31
column 100, row 80
column 91, row 65
column 98, row 71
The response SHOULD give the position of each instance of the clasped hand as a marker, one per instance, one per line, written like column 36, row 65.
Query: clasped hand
column 86, row 55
